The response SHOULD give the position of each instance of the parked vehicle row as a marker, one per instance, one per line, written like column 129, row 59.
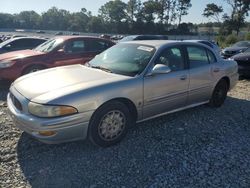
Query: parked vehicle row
column 127, row 83
column 58, row 51
column 20, row 43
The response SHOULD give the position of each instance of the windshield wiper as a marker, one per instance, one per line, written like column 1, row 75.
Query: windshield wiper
column 101, row 68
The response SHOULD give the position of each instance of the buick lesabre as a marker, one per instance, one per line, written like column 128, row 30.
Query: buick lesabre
column 128, row 83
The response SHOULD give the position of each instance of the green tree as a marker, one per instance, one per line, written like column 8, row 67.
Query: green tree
column 182, row 9
column 240, row 9
column 133, row 7
column 79, row 21
column 28, row 20
column 7, row 21
column 212, row 10
column 113, row 11
column 56, row 19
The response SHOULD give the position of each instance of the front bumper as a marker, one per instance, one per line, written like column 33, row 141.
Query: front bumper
column 68, row 128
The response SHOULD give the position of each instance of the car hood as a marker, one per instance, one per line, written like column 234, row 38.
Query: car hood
column 45, row 86
column 19, row 54
column 235, row 48
column 242, row 57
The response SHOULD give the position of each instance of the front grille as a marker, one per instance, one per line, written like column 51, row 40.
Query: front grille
column 16, row 102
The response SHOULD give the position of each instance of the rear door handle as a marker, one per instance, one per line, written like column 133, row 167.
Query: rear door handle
column 183, row 77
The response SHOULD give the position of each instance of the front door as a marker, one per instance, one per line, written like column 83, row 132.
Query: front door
column 74, row 52
column 169, row 91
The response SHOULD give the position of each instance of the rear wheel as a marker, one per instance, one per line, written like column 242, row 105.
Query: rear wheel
column 33, row 68
column 219, row 94
column 109, row 124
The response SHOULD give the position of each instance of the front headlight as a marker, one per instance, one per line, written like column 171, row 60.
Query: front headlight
column 50, row 110
column 6, row 64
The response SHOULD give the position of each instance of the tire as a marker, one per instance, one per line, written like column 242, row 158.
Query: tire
column 109, row 124
column 33, row 68
column 219, row 94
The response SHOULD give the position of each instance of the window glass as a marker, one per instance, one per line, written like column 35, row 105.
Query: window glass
column 197, row 56
column 211, row 57
column 76, row 46
column 98, row 45
column 172, row 57
column 125, row 59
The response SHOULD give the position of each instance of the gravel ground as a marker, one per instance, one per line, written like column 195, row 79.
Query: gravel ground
column 199, row 147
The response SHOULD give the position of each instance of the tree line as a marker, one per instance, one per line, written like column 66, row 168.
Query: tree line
column 133, row 17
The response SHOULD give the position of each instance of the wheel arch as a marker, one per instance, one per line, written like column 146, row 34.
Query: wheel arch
column 127, row 102
column 25, row 68
column 226, row 78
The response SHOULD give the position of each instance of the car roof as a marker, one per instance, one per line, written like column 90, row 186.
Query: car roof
column 159, row 43
column 66, row 37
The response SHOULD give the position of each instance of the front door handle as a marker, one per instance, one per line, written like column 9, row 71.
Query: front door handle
column 183, row 77
column 216, row 70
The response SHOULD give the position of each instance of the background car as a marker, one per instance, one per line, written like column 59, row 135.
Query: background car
column 238, row 47
column 127, row 83
column 243, row 60
column 211, row 44
column 144, row 37
column 59, row 51
column 20, row 43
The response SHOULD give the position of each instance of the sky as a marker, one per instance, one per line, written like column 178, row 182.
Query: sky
column 16, row 6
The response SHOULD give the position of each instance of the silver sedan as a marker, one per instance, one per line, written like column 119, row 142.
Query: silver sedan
column 128, row 83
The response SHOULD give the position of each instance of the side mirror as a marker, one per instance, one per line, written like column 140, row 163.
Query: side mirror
column 159, row 69
column 8, row 46
column 61, row 50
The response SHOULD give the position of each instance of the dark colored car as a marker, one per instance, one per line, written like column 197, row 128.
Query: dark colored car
column 237, row 48
column 243, row 60
column 20, row 43
column 211, row 44
column 59, row 51
column 144, row 37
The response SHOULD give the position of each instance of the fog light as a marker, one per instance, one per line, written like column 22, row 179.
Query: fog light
column 46, row 133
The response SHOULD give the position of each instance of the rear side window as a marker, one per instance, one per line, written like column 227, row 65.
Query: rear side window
column 98, row 45
column 197, row 56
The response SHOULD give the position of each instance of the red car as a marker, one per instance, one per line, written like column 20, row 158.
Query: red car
column 59, row 51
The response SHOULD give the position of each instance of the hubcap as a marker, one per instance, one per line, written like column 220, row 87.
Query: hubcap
column 112, row 124
column 33, row 70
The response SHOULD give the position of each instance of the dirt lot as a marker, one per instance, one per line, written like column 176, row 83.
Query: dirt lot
column 199, row 147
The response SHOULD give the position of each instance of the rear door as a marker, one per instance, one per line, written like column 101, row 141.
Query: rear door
column 201, row 74
column 166, row 92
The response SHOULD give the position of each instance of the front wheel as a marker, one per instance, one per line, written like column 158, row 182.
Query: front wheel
column 219, row 94
column 109, row 124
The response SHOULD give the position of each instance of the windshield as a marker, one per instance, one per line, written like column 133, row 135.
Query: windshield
column 125, row 59
column 242, row 44
column 49, row 45
column 5, row 42
column 247, row 51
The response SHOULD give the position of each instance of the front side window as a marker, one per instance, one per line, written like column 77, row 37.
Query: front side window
column 172, row 57
column 211, row 57
column 197, row 56
column 125, row 59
